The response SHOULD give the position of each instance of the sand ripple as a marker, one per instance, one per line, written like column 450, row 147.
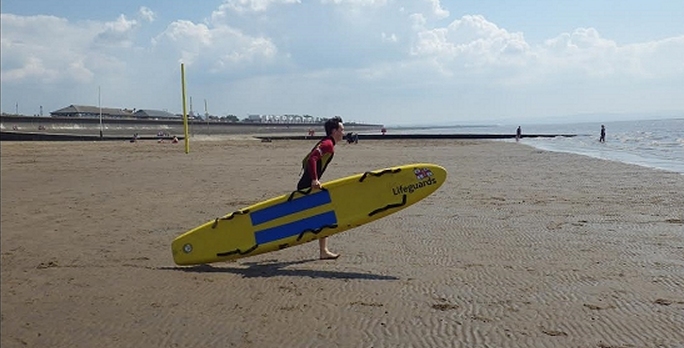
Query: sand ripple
column 520, row 248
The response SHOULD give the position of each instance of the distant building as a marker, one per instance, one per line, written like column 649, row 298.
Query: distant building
column 155, row 114
column 91, row 111
column 254, row 118
column 287, row 118
column 94, row 111
column 87, row 111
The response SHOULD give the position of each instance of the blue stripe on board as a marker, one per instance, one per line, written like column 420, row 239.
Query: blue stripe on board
column 295, row 228
column 291, row 207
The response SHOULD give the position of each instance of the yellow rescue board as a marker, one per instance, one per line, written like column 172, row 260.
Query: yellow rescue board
column 306, row 215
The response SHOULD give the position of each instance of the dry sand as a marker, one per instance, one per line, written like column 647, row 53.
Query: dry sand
column 519, row 248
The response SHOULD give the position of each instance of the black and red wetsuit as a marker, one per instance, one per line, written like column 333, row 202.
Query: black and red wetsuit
column 316, row 161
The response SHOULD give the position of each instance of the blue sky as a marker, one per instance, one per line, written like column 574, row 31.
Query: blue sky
column 384, row 61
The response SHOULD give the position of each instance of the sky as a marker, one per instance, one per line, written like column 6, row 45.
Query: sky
column 383, row 61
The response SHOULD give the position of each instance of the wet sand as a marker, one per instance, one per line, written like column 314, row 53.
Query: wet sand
column 519, row 248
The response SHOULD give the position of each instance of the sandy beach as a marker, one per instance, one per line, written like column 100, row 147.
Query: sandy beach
column 519, row 248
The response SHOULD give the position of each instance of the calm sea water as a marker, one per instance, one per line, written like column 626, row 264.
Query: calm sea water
column 651, row 143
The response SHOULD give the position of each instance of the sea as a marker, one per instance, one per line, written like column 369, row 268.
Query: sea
column 657, row 144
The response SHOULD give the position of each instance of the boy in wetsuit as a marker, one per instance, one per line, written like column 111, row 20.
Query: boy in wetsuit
column 314, row 165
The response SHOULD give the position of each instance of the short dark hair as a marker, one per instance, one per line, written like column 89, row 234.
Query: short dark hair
column 332, row 124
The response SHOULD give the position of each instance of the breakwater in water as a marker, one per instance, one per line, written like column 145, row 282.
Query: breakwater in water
column 421, row 136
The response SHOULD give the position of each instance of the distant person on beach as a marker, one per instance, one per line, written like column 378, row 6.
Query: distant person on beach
column 602, row 139
column 315, row 163
column 518, row 134
column 352, row 137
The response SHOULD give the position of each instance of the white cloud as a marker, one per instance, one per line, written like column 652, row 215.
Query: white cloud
column 45, row 49
column 662, row 58
column 585, row 51
column 242, row 6
column 219, row 48
column 54, row 50
column 118, row 33
column 474, row 46
column 361, row 3
column 468, row 42
column 418, row 21
column 79, row 72
column 437, row 9
column 389, row 38
column 188, row 32
column 33, row 67
column 581, row 38
column 146, row 14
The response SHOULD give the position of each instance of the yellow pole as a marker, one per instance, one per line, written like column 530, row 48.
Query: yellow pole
column 185, row 114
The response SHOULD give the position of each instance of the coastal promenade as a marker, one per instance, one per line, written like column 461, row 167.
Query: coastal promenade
column 88, row 129
column 23, row 128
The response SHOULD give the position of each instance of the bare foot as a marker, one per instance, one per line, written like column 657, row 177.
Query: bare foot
column 324, row 252
column 329, row 256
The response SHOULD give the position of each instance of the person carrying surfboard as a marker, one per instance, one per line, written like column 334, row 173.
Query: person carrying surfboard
column 315, row 163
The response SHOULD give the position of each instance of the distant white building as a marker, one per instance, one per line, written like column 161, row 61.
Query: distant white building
column 286, row 118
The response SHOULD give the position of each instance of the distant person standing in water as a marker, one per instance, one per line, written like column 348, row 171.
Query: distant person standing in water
column 602, row 139
column 518, row 134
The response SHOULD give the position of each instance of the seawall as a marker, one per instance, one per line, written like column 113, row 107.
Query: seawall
column 25, row 136
column 68, row 128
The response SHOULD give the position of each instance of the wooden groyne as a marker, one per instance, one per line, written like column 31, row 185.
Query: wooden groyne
column 419, row 136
